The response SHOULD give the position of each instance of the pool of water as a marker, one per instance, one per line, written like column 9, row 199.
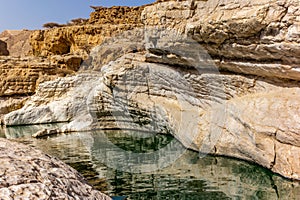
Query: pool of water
column 135, row 165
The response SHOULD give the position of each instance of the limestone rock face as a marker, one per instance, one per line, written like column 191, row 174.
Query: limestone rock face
column 27, row 173
column 250, row 37
column 248, row 122
column 221, row 76
column 19, row 77
column 73, row 39
column 116, row 15
column 103, row 23
column 17, row 42
column 3, row 49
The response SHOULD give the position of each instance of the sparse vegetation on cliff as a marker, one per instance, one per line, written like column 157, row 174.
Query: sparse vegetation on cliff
column 53, row 25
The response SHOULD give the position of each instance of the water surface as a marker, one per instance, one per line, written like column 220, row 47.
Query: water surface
column 146, row 166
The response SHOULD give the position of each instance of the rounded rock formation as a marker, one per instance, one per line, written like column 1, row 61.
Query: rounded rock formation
column 26, row 173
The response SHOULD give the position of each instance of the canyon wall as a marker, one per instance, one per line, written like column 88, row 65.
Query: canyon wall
column 102, row 24
column 43, row 55
column 222, row 76
column 20, row 77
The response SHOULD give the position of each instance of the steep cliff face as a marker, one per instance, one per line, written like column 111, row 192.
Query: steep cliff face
column 259, row 37
column 221, row 76
column 116, row 15
column 103, row 23
column 73, row 39
column 21, row 76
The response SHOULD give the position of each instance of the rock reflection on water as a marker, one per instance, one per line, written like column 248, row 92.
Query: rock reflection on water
column 186, row 178
column 26, row 131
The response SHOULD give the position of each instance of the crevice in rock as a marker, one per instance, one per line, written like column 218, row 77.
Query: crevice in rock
column 215, row 149
column 285, row 12
column 274, row 186
column 247, row 60
column 273, row 163
column 193, row 9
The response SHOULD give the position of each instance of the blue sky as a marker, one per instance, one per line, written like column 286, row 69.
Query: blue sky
column 32, row 14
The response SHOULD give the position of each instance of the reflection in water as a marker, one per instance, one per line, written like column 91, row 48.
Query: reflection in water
column 188, row 177
column 26, row 131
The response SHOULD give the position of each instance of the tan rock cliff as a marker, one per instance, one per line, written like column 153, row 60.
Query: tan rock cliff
column 21, row 76
column 103, row 23
column 116, row 15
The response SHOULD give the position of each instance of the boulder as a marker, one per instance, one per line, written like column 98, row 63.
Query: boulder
column 27, row 173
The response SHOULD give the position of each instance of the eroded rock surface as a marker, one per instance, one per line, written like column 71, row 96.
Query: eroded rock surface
column 26, row 173
column 221, row 76
column 19, row 77
column 116, row 15
column 159, row 98
column 250, row 37
column 103, row 23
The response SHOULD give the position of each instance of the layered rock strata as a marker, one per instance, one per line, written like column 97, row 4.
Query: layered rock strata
column 258, row 37
column 102, row 24
column 133, row 94
column 116, row 15
column 29, row 174
column 221, row 76
column 19, row 77
column 73, row 39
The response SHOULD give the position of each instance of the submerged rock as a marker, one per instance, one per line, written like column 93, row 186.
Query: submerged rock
column 26, row 173
column 44, row 133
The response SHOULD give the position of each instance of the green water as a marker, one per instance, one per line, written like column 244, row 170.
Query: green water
column 146, row 166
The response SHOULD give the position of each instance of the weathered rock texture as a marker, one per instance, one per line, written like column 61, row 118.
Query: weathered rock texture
column 103, row 23
column 258, row 38
column 241, row 101
column 73, row 39
column 17, row 42
column 230, row 122
column 116, row 15
column 26, row 173
column 19, row 77
column 251, row 37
